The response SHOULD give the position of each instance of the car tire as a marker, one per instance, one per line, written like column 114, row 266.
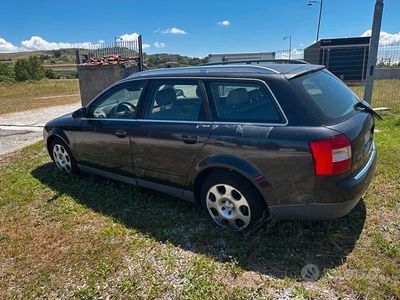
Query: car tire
column 232, row 201
column 63, row 157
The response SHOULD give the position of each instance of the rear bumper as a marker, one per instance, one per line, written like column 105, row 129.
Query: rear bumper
column 353, row 188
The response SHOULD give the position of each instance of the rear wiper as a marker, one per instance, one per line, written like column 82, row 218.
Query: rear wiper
column 363, row 105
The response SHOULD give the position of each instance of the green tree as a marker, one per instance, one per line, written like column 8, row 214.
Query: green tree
column 21, row 70
column 57, row 53
column 6, row 72
column 49, row 74
column 29, row 69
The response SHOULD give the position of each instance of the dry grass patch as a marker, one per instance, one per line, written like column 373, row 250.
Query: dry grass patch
column 385, row 93
column 22, row 96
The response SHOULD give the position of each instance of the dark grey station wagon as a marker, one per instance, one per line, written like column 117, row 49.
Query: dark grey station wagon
column 284, row 140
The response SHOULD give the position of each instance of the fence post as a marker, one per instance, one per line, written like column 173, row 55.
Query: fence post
column 373, row 50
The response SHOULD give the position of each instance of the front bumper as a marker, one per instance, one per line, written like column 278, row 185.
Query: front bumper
column 353, row 187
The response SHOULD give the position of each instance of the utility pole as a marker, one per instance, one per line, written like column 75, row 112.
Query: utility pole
column 290, row 45
column 320, row 3
column 373, row 50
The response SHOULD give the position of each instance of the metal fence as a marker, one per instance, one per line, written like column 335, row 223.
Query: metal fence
column 122, row 48
column 118, row 51
column 351, row 66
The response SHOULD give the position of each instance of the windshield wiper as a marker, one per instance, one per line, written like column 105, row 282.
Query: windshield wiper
column 363, row 105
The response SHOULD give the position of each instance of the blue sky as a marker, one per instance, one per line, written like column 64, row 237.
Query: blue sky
column 253, row 25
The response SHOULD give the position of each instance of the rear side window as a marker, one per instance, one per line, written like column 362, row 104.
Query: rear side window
column 334, row 99
column 175, row 100
column 243, row 102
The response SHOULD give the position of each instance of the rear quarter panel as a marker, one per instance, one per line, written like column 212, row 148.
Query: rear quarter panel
column 281, row 154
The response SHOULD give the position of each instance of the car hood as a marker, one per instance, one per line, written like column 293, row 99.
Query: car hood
column 64, row 120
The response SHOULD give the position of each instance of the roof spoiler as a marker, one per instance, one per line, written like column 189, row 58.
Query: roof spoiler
column 303, row 71
column 256, row 61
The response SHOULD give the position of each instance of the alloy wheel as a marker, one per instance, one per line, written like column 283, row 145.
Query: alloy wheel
column 61, row 158
column 228, row 207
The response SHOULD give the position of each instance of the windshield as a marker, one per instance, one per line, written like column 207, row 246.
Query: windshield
column 334, row 99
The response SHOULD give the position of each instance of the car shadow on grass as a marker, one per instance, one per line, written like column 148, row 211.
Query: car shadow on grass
column 277, row 249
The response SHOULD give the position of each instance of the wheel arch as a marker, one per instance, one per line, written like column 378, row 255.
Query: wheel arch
column 52, row 136
column 228, row 163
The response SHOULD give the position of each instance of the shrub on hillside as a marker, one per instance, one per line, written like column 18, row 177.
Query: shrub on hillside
column 49, row 74
column 6, row 72
column 29, row 69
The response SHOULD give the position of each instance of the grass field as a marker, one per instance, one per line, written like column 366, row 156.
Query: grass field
column 85, row 237
column 386, row 93
column 23, row 96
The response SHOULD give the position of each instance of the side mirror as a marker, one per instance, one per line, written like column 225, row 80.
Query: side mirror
column 79, row 113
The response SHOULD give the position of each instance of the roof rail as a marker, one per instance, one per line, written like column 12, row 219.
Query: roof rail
column 257, row 61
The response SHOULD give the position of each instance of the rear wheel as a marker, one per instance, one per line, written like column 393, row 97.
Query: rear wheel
column 232, row 201
column 62, row 157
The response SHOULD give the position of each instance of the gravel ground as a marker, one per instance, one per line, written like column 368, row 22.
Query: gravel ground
column 21, row 129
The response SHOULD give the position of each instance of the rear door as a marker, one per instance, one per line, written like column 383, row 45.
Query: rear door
column 171, row 131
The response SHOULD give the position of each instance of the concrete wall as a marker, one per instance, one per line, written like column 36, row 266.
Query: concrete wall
column 387, row 73
column 93, row 79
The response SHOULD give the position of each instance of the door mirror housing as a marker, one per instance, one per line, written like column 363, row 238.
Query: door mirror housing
column 80, row 113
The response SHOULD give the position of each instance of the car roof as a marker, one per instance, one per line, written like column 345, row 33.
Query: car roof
column 232, row 70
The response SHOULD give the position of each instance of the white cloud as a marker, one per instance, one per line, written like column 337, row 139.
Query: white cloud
column 224, row 23
column 129, row 37
column 385, row 38
column 159, row 45
column 173, row 30
column 132, row 37
column 38, row 43
column 7, row 46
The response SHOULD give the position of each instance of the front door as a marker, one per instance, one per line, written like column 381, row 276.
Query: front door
column 171, row 131
column 104, row 138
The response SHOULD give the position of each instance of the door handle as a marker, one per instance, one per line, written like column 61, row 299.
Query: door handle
column 190, row 139
column 120, row 133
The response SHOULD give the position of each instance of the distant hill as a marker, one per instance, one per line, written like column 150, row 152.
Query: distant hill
column 63, row 61
column 64, row 57
column 164, row 60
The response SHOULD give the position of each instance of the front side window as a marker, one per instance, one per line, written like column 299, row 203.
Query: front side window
column 243, row 102
column 119, row 102
column 181, row 101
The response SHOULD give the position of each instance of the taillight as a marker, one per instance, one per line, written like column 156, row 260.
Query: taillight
column 332, row 156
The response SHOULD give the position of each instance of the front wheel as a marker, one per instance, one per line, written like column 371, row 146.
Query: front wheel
column 62, row 157
column 232, row 201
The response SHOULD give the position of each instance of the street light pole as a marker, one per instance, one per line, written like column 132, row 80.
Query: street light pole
column 373, row 50
column 290, row 45
column 320, row 3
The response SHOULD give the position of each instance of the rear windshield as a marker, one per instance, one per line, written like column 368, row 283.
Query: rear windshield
column 333, row 98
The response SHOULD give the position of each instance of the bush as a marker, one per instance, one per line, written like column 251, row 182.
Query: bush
column 57, row 53
column 44, row 57
column 49, row 74
column 29, row 69
column 6, row 72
